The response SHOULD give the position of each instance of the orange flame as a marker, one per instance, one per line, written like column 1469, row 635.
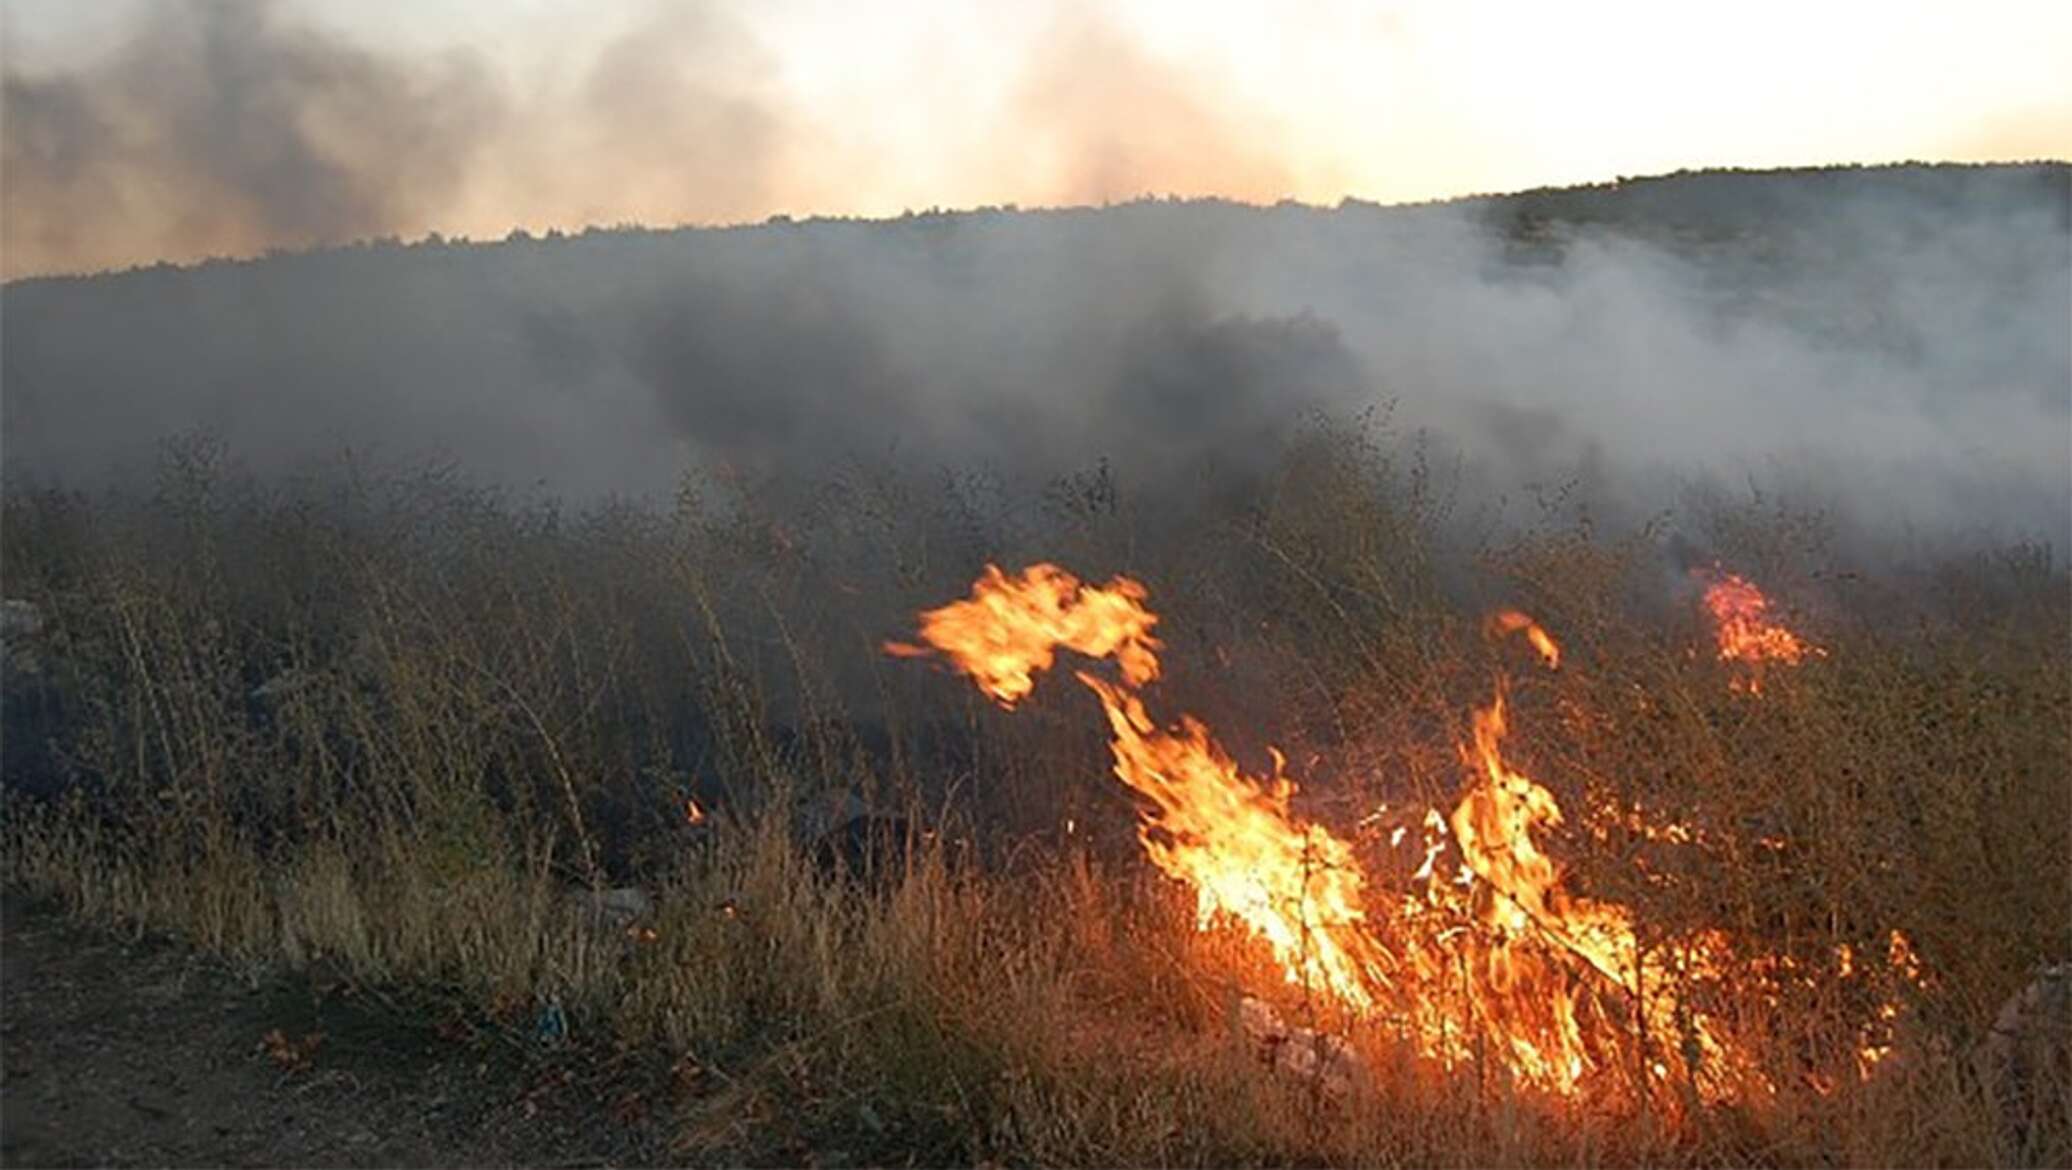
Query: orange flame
column 1903, row 965
column 1491, row 954
column 1509, row 621
column 1232, row 838
column 1540, row 936
column 1010, row 630
column 1745, row 632
column 692, row 813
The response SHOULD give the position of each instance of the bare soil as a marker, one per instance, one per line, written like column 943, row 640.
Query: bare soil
column 125, row 1052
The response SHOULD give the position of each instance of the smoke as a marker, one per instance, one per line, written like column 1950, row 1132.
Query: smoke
column 1891, row 344
column 231, row 127
column 221, row 129
column 234, row 127
column 1094, row 118
column 1887, row 345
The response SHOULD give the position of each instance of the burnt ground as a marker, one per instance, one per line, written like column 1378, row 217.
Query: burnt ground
column 120, row 1052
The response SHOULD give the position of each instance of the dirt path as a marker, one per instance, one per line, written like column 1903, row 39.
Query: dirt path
column 122, row 1053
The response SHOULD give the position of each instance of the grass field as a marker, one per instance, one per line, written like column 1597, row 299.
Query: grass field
column 392, row 724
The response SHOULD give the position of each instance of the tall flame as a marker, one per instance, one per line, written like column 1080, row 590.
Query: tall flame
column 1294, row 884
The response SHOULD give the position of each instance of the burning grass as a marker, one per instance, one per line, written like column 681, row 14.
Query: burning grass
column 1572, row 882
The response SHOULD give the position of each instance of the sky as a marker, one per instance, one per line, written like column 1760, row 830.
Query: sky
column 145, row 130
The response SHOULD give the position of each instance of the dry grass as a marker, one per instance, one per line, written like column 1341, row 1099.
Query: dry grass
column 389, row 726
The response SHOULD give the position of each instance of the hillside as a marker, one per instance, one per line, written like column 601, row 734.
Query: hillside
column 1903, row 322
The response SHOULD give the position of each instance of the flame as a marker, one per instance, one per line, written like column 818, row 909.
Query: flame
column 1009, row 630
column 1903, row 966
column 692, row 813
column 1745, row 632
column 1540, row 937
column 1484, row 952
column 1232, row 838
column 1508, row 621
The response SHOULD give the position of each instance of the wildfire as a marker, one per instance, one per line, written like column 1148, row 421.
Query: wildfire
column 1485, row 952
column 1745, row 631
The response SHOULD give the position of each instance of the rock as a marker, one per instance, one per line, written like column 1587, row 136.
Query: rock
column 2028, row 1054
column 282, row 685
column 19, row 618
column 33, row 711
column 550, row 1027
column 20, row 625
column 1326, row 1062
column 831, row 812
column 614, row 909
column 847, row 835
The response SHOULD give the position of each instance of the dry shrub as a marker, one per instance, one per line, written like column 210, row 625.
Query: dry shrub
column 389, row 723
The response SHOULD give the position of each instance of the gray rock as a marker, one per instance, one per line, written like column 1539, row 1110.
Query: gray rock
column 845, row 834
column 614, row 909
column 21, row 627
column 282, row 685
column 1327, row 1063
column 2028, row 1054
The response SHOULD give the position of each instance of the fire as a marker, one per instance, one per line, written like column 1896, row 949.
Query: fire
column 692, row 813
column 1905, row 966
column 1539, row 937
column 1229, row 835
column 1509, row 621
column 1232, row 838
column 1484, row 952
column 1010, row 630
column 1745, row 632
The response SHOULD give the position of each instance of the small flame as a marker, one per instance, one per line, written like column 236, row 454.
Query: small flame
column 1903, row 965
column 1745, row 632
column 692, row 812
column 1510, row 621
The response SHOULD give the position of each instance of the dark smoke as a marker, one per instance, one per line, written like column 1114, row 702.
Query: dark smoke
column 231, row 127
column 219, row 128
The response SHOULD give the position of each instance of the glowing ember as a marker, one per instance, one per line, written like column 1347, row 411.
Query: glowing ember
column 1746, row 634
column 1877, row 1040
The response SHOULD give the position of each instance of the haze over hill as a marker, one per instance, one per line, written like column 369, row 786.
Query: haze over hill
column 1890, row 341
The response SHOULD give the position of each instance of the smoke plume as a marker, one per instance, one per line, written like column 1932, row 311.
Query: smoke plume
column 1886, row 345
